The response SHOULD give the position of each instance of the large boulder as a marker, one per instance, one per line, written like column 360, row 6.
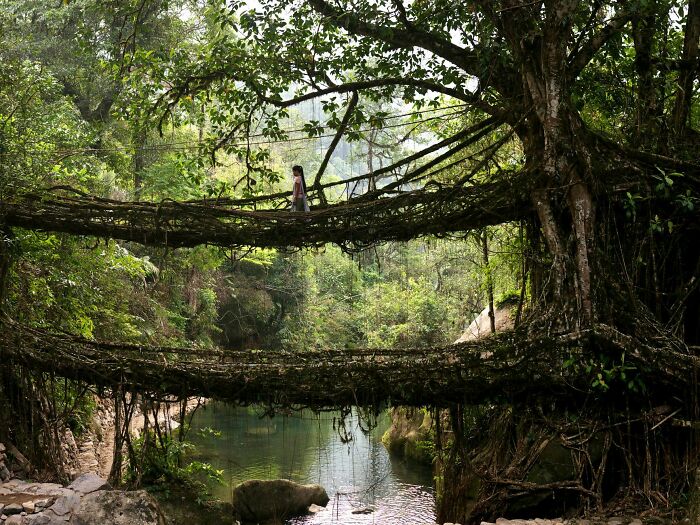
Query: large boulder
column 118, row 507
column 257, row 501
column 409, row 435
column 481, row 326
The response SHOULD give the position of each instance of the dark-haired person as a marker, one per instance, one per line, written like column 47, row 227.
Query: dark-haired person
column 299, row 190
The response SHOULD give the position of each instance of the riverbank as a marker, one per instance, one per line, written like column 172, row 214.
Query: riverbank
column 93, row 451
column 88, row 500
column 179, row 507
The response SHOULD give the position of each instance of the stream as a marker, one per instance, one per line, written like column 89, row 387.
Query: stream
column 307, row 448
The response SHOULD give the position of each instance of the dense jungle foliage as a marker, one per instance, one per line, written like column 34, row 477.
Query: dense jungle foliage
column 67, row 114
column 583, row 117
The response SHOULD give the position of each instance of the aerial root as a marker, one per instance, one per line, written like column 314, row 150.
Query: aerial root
column 507, row 367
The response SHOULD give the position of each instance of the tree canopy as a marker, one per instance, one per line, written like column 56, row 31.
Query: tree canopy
column 174, row 123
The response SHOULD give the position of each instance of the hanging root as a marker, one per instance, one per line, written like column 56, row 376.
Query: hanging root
column 620, row 444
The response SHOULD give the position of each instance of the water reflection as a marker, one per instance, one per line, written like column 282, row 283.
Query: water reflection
column 307, row 448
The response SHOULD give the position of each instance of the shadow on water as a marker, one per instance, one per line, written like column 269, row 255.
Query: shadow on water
column 307, row 448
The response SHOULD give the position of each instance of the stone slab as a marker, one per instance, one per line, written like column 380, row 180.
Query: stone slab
column 65, row 505
column 89, row 483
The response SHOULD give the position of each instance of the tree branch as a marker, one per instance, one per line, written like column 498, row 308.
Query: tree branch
column 476, row 128
column 434, row 162
column 400, row 38
column 385, row 82
column 341, row 130
column 588, row 50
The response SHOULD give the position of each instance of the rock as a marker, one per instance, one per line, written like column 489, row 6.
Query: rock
column 65, row 505
column 4, row 473
column 635, row 522
column 17, row 485
column 12, row 508
column 28, row 507
column 51, row 489
column 366, row 510
column 40, row 519
column 257, row 500
column 15, row 519
column 313, row 508
column 481, row 326
column 2, row 448
column 41, row 504
column 1, row 507
column 118, row 508
column 88, row 483
column 409, row 433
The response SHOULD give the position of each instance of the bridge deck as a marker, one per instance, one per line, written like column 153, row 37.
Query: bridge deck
column 502, row 365
column 359, row 222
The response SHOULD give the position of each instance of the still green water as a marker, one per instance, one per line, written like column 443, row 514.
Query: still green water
column 307, row 448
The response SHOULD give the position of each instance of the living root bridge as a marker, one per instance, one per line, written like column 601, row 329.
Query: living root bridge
column 509, row 366
column 401, row 217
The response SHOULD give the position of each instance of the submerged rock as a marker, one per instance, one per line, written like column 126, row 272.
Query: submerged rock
column 264, row 501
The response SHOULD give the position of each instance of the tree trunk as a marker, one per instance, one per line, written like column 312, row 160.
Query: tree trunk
column 646, row 124
column 689, row 69
column 564, row 159
column 489, row 280
column 6, row 240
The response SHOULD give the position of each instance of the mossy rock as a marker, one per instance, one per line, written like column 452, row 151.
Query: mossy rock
column 410, row 435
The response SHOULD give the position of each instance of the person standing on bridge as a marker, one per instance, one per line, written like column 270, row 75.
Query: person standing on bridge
column 299, row 202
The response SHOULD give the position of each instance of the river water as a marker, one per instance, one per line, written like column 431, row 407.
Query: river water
column 309, row 448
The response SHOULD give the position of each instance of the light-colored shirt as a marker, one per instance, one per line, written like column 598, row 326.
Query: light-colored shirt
column 298, row 187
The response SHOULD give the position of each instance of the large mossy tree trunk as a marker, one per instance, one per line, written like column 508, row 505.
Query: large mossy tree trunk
column 621, row 434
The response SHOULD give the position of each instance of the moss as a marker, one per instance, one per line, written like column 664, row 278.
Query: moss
column 410, row 435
